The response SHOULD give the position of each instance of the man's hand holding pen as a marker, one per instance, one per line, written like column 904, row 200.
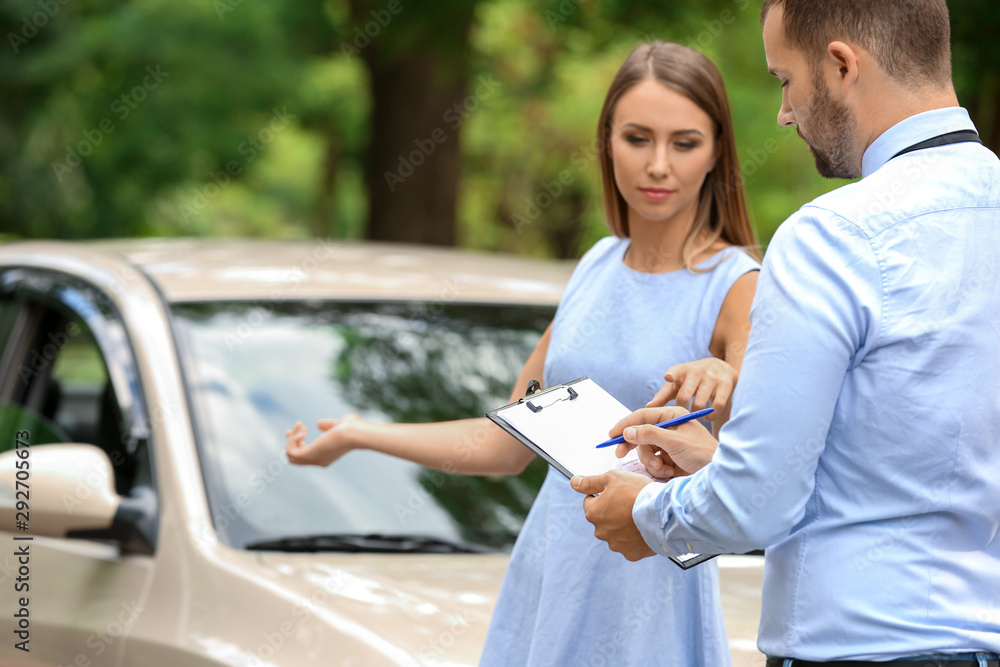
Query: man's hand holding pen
column 666, row 453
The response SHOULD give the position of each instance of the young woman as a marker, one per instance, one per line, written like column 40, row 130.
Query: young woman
column 671, row 289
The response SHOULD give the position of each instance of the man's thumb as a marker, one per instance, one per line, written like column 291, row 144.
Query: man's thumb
column 594, row 484
column 650, row 434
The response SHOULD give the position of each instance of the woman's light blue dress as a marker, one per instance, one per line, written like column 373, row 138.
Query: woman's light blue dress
column 568, row 600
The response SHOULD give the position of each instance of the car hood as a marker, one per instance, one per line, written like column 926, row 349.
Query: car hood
column 417, row 609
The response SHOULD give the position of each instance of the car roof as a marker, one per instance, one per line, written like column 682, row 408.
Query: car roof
column 191, row 270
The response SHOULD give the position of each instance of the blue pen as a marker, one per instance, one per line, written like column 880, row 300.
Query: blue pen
column 667, row 424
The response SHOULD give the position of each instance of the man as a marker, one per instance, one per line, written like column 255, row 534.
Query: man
column 864, row 450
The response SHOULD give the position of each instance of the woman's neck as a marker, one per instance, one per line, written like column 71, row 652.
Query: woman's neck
column 655, row 249
column 658, row 247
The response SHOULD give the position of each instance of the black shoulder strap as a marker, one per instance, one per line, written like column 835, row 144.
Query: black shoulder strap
column 959, row 137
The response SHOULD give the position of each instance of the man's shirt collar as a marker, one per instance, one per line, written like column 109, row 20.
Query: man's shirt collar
column 913, row 130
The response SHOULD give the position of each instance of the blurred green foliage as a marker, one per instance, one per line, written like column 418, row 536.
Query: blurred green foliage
column 233, row 118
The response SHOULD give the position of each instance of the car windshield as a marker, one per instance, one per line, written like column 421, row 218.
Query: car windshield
column 252, row 370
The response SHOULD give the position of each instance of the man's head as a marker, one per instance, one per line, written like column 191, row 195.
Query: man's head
column 852, row 68
column 909, row 39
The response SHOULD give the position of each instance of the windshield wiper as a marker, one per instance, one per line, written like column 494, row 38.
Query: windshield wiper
column 372, row 543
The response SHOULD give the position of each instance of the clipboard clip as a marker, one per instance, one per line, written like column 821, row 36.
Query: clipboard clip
column 536, row 406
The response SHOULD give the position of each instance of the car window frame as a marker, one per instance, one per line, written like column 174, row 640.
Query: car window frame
column 78, row 299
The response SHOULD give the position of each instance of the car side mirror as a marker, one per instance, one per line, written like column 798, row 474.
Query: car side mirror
column 57, row 490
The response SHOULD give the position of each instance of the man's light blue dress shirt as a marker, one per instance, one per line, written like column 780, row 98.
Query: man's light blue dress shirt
column 864, row 450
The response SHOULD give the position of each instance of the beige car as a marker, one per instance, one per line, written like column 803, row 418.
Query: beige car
column 148, row 515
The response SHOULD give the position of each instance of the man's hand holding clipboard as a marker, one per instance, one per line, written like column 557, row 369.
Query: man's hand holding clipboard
column 674, row 450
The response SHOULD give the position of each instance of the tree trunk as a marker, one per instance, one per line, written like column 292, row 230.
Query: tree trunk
column 993, row 138
column 983, row 104
column 323, row 215
column 412, row 165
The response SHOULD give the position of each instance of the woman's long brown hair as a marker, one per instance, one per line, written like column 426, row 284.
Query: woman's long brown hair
column 722, row 211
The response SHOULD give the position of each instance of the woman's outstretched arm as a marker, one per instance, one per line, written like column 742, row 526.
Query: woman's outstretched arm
column 468, row 446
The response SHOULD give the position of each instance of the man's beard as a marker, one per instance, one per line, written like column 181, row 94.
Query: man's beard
column 834, row 125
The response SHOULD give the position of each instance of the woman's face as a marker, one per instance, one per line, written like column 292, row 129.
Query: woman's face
column 662, row 148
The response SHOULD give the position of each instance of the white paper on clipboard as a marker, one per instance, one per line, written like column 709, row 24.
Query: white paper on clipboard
column 565, row 424
column 569, row 427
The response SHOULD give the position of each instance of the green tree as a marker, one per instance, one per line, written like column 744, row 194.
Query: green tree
column 465, row 123
column 975, row 32
column 106, row 105
column 416, row 55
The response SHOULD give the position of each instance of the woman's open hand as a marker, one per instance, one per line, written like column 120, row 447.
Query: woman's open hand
column 335, row 440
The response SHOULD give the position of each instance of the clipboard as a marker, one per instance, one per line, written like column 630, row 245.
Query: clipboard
column 564, row 424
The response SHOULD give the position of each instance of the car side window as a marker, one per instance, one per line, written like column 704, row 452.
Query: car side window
column 57, row 383
column 7, row 308
column 23, row 401
column 77, row 385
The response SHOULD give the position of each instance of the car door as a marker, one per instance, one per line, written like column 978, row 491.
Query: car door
column 67, row 374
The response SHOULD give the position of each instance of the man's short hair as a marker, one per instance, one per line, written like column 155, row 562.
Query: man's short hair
column 909, row 39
